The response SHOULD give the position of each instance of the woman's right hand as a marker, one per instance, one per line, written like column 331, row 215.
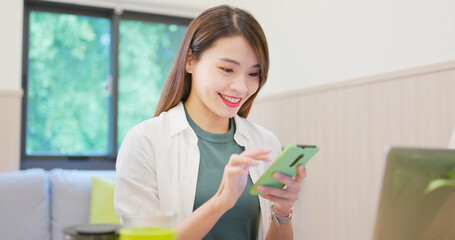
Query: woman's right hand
column 235, row 175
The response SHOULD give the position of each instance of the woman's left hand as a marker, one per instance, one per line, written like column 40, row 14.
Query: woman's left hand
column 284, row 198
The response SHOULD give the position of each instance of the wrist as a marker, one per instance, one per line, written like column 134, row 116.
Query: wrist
column 284, row 219
column 282, row 212
column 218, row 203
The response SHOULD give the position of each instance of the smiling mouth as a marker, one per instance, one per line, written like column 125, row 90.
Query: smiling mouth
column 230, row 101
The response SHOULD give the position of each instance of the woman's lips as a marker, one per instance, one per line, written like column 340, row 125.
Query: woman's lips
column 230, row 101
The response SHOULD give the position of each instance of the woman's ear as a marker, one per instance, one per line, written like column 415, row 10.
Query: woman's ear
column 189, row 61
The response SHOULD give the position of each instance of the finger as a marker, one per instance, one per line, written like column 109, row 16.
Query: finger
column 236, row 171
column 246, row 161
column 278, row 200
column 290, row 183
column 256, row 152
column 263, row 157
column 237, row 160
column 301, row 173
column 280, row 193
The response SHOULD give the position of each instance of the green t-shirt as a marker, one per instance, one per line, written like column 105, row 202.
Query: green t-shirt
column 240, row 222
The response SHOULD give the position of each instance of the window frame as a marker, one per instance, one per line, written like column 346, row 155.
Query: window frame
column 101, row 162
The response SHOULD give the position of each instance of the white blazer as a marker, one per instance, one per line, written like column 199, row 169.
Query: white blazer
column 158, row 162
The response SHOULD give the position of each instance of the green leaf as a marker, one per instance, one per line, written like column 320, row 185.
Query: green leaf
column 439, row 183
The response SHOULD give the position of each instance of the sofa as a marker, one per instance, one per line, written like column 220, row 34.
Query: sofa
column 38, row 204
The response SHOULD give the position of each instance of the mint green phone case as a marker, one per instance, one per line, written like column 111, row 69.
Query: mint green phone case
column 286, row 163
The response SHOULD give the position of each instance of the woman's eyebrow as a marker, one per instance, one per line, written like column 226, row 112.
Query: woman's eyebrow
column 237, row 63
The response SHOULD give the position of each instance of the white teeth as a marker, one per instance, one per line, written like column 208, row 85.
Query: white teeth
column 229, row 99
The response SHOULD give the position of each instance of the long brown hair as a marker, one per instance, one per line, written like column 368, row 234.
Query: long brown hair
column 203, row 31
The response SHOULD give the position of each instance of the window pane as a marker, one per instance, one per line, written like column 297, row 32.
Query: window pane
column 146, row 54
column 68, row 59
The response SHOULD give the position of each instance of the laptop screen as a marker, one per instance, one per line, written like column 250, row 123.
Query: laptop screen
column 404, row 211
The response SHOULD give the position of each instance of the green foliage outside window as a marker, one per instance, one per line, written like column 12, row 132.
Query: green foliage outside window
column 68, row 62
column 68, row 73
column 146, row 55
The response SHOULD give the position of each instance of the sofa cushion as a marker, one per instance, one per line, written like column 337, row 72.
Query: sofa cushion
column 24, row 205
column 70, row 198
column 102, row 201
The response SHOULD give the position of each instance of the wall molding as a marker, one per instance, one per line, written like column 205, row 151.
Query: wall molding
column 11, row 92
column 390, row 76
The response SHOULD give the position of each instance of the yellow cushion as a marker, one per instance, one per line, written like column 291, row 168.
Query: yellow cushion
column 102, row 202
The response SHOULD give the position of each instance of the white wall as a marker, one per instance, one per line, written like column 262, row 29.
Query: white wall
column 11, row 44
column 311, row 42
column 315, row 42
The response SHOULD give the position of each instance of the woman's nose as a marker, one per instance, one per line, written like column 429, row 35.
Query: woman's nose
column 239, row 84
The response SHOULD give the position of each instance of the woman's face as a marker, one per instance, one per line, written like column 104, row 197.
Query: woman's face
column 224, row 77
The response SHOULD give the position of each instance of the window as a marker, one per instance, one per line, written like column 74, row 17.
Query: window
column 89, row 76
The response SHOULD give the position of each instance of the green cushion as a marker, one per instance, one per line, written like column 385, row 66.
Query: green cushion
column 102, row 202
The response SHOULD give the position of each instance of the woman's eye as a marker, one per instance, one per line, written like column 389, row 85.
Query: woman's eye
column 226, row 69
column 254, row 74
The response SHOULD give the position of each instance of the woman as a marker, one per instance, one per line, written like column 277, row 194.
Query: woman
column 199, row 155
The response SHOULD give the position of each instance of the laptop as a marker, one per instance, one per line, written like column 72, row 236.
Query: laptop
column 404, row 211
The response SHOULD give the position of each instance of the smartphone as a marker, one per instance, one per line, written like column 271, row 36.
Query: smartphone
column 286, row 163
